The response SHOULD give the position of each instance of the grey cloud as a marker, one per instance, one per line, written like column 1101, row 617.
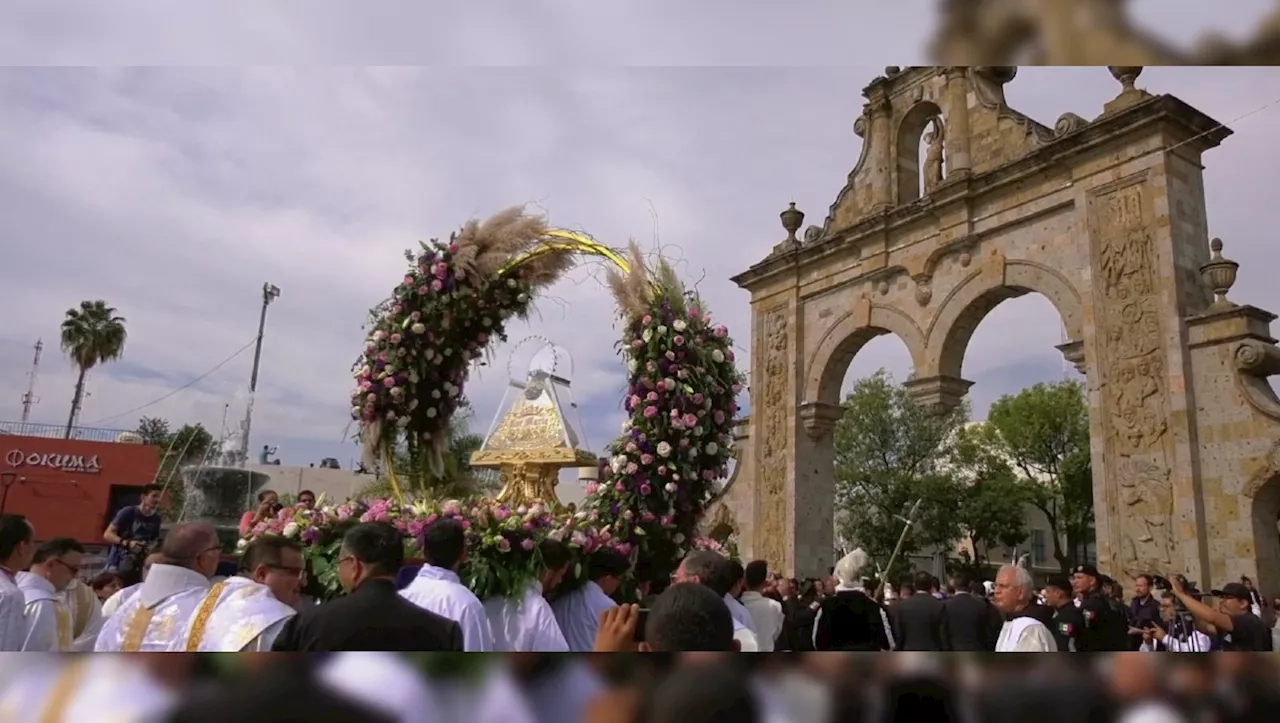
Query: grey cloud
column 174, row 194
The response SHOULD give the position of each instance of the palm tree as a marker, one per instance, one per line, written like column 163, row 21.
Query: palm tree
column 91, row 335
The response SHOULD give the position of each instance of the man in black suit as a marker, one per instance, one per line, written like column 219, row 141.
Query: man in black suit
column 971, row 622
column 372, row 616
column 917, row 618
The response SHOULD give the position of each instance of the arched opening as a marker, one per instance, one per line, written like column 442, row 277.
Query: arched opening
column 1266, row 535
column 833, row 362
column 913, row 143
column 1006, row 341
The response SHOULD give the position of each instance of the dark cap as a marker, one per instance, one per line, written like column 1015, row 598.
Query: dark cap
column 1086, row 569
column 1061, row 582
column 1232, row 589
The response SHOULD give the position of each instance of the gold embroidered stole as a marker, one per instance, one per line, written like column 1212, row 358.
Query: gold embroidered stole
column 63, row 618
column 140, row 621
column 63, row 691
column 82, row 599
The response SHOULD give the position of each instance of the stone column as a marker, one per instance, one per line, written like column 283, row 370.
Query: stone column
column 880, row 151
column 957, row 119
column 813, row 545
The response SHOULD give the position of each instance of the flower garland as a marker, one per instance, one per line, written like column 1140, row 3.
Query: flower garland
column 452, row 304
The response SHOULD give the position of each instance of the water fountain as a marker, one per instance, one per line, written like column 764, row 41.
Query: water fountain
column 219, row 495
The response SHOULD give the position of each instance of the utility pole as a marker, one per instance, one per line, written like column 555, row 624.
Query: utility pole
column 29, row 398
column 270, row 293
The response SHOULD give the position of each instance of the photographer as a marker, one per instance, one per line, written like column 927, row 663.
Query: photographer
column 1233, row 623
column 268, row 507
column 1174, row 632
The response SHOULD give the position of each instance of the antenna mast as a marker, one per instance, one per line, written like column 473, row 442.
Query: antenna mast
column 30, row 398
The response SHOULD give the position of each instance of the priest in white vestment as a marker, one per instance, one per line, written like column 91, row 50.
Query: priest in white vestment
column 50, row 627
column 438, row 589
column 526, row 624
column 107, row 688
column 1021, row 632
column 177, row 609
column 731, row 598
column 17, row 547
column 86, row 615
column 578, row 611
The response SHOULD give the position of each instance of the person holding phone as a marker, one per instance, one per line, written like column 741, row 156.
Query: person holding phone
column 268, row 507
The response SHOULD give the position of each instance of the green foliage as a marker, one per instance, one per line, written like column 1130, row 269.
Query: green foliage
column 990, row 506
column 457, row 479
column 1044, row 432
column 890, row 452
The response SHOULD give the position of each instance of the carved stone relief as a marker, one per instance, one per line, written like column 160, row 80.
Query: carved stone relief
column 933, row 155
column 1135, row 382
column 771, row 478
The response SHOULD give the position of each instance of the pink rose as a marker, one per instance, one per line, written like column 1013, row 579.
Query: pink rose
column 436, row 284
column 646, row 459
column 527, row 544
column 504, row 545
column 645, row 489
column 650, row 411
column 678, row 340
column 637, row 344
column 690, row 420
column 647, row 320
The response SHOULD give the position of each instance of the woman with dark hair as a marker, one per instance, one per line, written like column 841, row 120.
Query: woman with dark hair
column 106, row 584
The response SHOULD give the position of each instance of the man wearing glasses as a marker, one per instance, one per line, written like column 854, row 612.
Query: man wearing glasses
column 48, row 620
column 178, row 609
column 276, row 562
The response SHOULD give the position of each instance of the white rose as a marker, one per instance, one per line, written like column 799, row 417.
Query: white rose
column 647, row 335
column 671, row 487
column 718, row 356
column 431, row 412
column 679, row 538
column 632, row 366
column 664, row 449
column 435, row 393
column 402, row 422
column 241, row 543
column 291, row 530
column 662, row 330
column 419, row 328
column 626, row 426
column 679, row 325
column 712, row 448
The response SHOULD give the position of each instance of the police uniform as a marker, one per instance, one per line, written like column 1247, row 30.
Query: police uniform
column 1104, row 628
column 1067, row 622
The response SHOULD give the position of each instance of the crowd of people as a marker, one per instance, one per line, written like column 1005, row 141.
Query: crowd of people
column 709, row 603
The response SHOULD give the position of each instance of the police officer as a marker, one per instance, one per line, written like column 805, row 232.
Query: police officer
column 1104, row 629
column 1067, row 623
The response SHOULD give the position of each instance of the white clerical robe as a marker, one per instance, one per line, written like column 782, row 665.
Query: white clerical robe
column 766, row 614
column 524, row 624
column 100, row 688
column 86, row 615
column 1025, row 635
column 178, row 610
column 48, row 620
column 578, row 613
column 13, row 628
column 438, row 590
column 385, row 682
column 747, row 641
column 739, row 612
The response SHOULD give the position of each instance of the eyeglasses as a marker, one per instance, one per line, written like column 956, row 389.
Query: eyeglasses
column 346, row 558
column 73, row 569
column 298, row 572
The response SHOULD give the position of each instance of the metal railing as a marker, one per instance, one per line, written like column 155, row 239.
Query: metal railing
column 58, row 431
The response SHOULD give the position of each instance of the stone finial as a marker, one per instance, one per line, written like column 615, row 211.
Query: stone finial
column 792, row 218
column 1219, row 274
column 1127, row 75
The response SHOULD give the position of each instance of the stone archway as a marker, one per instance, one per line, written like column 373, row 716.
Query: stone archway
column 1105, row 218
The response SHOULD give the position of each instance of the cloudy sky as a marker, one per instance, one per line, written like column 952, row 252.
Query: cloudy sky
column 175, row 192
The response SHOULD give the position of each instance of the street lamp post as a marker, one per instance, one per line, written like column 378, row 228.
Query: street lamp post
column 270, row 292
column 7, row 480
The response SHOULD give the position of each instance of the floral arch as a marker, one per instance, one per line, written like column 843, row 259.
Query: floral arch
column 449, row 311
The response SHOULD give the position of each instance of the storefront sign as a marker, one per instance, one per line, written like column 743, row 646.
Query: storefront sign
column 85, row 464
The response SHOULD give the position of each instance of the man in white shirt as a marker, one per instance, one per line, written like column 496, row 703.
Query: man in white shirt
column 50, row 627
column 17, row 547
column 578, row 611
column 526, row 624
column 766, row 613
column 438, row 589
column 714, row 571
column 1021, row 632
column 736, row 608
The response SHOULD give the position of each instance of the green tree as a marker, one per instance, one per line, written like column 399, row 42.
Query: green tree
column 990, row 506
column 890, row 452
column 90, row 335
column 154, row 431
column 1044, row 432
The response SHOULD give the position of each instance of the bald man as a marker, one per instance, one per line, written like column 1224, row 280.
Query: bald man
column 178, row 609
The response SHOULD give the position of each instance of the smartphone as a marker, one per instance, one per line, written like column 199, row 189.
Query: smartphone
column 642, row 619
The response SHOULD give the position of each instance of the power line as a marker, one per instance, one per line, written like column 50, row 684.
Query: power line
column 188, row 385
